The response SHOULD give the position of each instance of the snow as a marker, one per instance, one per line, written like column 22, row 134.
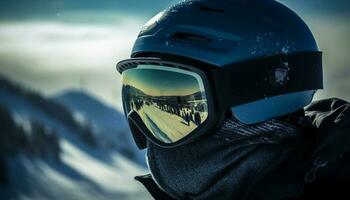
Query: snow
column 103, row 174
column 37, row 179
column 110, row 126
column 80, row 118
column 160, row 121
column 83, row 172
column 24, row 123
column 285, row 49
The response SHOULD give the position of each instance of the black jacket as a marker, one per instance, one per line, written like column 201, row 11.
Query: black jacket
column 319, row 162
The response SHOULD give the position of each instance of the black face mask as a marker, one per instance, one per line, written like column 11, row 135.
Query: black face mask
column 227, row 164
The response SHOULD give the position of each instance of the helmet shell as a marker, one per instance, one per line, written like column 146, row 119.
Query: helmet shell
column 222, row 32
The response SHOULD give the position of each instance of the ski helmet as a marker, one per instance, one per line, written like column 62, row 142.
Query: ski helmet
column 254, row 58
column 221, row 32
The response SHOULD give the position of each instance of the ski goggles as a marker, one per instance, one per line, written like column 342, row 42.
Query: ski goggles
column 171, row 101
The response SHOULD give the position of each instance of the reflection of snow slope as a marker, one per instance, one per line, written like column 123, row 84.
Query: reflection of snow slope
column 173, row 125
column 155, row 129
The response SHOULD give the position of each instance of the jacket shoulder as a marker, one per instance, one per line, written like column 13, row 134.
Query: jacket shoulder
column 332, row 120
column 329, row 113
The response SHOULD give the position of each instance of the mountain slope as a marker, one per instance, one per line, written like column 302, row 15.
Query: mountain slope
column 44, row 153
column 110, row 126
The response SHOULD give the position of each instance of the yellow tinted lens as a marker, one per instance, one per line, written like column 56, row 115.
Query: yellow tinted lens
column 171, row 102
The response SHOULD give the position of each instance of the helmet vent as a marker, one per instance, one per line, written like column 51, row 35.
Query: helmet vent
column 192, row 37
column 209, row 9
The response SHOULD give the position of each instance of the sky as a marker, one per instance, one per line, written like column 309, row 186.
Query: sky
column 57, row 45
column 161, row 83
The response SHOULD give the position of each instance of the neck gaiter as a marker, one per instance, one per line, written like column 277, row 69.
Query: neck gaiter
column 226, row 164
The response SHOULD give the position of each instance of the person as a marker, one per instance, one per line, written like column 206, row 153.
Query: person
column 254, row 66
column 188, row 118
column 197, row 118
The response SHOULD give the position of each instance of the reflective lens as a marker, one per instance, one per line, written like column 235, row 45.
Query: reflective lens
column 171, row 102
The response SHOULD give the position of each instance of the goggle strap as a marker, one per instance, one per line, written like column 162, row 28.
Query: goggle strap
column 139, row 138
column 249, row 81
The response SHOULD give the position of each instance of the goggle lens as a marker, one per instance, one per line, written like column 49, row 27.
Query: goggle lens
column 170, row 102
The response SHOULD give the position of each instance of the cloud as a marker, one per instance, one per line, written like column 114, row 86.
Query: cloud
column 319, row 7
column 51, row 56
column 333, row 36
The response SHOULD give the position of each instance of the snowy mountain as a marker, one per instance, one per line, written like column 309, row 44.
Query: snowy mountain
column 48, row 151
column 110, row 126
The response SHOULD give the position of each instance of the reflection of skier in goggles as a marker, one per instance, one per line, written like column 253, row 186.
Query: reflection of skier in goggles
column 216, row 89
